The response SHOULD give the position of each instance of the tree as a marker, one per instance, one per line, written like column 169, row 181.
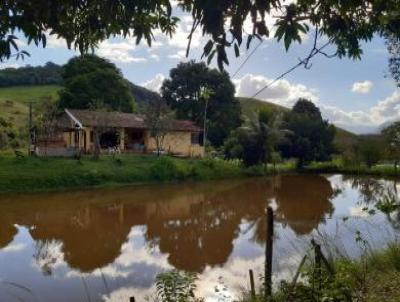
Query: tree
column 370, row 151
column 47, row 121
column 89, row 79
column 392, row 139
column 344, row 23
column 183, row 92
column 311, row 137
column 255, row 143
column 158, row 118
column 393, row 46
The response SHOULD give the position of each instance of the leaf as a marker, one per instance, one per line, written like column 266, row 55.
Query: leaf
column 262, row 28
column 207, row 48
column 44, row 40
column 280, row 31
column 12, row 42
column 287, row 41
column 249, row 38
column 237, row 51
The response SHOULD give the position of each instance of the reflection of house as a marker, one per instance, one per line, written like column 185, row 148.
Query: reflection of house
column 125, row 131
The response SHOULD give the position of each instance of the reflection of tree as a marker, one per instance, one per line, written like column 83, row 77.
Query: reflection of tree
column 92, row 236
column 382, row 194
column 195, row 224
column 370, row 189
column 303, row 202
column 203, row 238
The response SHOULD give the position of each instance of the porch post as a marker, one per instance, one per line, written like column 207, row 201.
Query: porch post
column 122, row 139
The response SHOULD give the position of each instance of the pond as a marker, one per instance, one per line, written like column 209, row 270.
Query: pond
column 109, row 244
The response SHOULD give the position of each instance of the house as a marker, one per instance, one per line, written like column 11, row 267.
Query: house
column 125, row 132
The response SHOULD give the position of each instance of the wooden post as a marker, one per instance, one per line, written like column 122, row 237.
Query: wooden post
column 268, row 253
column 252, row 287
column 318, row 271
column 132, row 299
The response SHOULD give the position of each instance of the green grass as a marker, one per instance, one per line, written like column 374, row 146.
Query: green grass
column 336, row 166
column 43, row 174
column 24, row 94
column 14, row 102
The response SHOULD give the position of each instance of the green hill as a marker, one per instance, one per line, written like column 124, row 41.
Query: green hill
column 14, row 101
column 251, row 107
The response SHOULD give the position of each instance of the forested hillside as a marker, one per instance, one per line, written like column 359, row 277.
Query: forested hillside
column 49, row 74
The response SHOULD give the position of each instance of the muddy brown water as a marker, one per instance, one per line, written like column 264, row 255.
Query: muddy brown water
column 109, row 244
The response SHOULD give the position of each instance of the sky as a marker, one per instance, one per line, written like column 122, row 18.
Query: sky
column 359, row 96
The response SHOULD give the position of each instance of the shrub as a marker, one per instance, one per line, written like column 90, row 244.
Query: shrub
column 164, row 169
column 176, row 286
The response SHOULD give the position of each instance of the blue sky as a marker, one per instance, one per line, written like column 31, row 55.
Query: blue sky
column 355, row 95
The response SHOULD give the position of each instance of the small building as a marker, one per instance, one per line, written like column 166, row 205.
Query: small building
column 124, row 132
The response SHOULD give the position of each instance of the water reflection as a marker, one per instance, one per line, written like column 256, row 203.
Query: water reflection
column 194, row 224
column 380, row 195
column 193, row 227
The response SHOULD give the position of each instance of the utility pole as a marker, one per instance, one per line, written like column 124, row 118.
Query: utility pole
column 30, row 130
column 206, row 94
column 30, row 142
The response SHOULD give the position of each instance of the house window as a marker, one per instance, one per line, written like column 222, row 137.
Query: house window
column 91, row 136
column 197, row 138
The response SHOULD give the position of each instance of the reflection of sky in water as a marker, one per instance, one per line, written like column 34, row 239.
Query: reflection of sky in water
column 216, row 228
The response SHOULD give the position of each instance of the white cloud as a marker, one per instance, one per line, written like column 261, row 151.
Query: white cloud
column 387, row 109
column 155, row 83
column 362, row 87
column 54, row 42
column 180, row 38
column 179, row 55
column 286, row 94
column 155, row 57
column 355, row 121
column 119, row 52
column 282, row 92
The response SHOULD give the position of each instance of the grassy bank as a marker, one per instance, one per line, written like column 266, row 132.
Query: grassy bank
column 337, row 166
column 374, row 277
column 43, row 174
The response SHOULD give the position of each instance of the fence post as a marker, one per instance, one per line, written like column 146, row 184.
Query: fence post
column 318, row 272
column 268, row 253
column 252, row 287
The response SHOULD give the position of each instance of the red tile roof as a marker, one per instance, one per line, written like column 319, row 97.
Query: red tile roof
column 90, row 118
